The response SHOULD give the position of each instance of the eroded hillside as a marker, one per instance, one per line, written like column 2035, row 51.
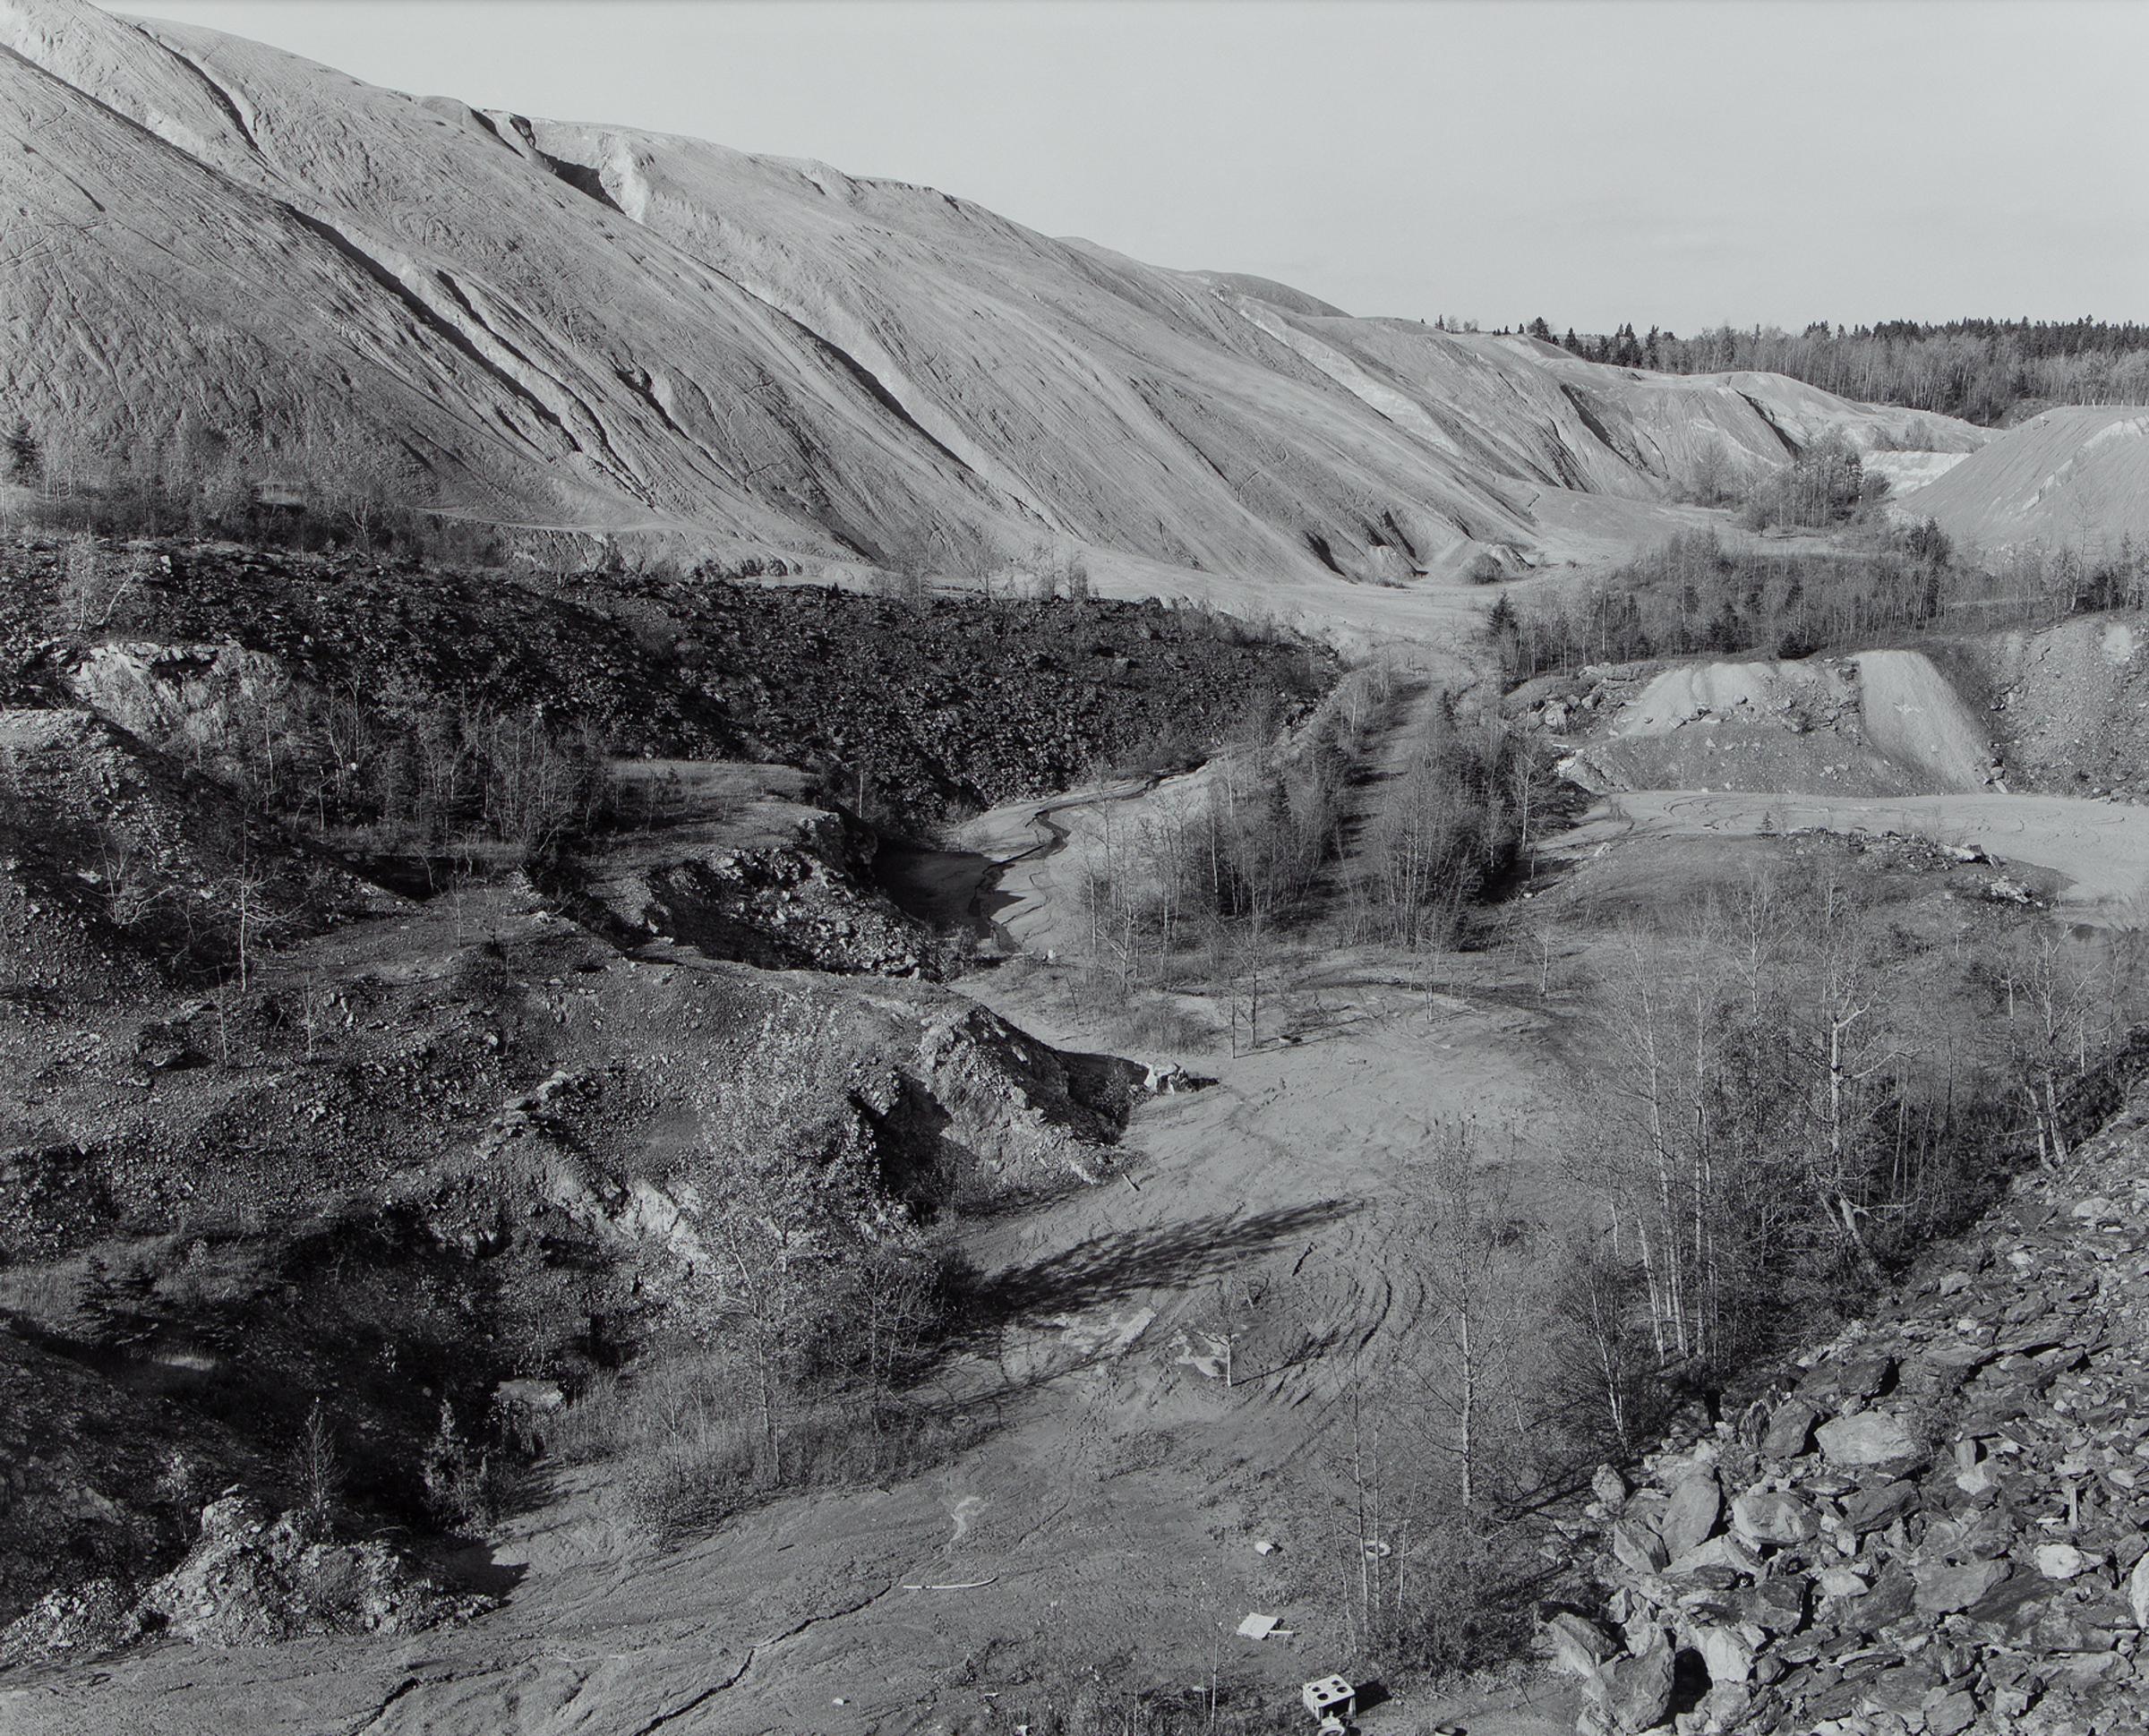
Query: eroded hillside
column 259, row 270
column 398, row 1015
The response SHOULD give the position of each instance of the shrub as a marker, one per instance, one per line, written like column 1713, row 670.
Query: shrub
column 317, row 1471
column 466, row 1485
column 905, row 584
column 686, row 1456
column 25, row 455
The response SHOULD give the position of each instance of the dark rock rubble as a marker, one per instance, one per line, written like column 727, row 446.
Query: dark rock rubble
column 1936, row 1524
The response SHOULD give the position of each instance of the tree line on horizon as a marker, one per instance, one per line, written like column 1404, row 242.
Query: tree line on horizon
column 1979, row 370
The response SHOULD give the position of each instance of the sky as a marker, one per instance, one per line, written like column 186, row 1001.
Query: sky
column 1679, row 163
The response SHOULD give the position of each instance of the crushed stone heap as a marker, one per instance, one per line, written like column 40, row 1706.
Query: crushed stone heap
column 1939, row 1524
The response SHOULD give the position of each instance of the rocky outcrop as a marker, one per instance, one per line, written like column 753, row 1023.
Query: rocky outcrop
column 943, row 1103
column 251, row 1578
column 783, row 886
column 180, row 697
column 1937, row 1523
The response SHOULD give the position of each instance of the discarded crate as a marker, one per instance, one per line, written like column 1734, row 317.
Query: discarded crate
column 1330, row 1699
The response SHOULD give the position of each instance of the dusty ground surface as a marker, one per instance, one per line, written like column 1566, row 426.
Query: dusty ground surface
column 2100, row 850
column 1111, row 1515
column 1111, row 1512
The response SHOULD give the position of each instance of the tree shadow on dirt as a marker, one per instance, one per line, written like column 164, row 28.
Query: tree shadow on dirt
column 1111, row 1268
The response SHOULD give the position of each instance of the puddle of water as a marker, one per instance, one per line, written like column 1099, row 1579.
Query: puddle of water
column 940, row 888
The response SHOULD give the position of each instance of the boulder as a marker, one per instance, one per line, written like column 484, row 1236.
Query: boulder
column 2065, row 1561
column 528, row 1395
column 2082, row 1670
column 1635, row 1693
column 1725, row 1704
column 1790, row 1430
column 1727, row 1652
column 1944, row 1587
column 1898, row 1690
column 1866, row 1377
column 1722, row 1554
column 2012, row 1610
column 2138, row 1591
column 1690, row 1518
column 1762, row 1516
column 1872, row 1437
column 1868, row 1509
column 1776, row 1605
column 1579, row 1646
column 1889, row 1601
column 1639, row 1547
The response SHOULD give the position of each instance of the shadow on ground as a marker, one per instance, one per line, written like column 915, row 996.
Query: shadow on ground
column 1108, row 1269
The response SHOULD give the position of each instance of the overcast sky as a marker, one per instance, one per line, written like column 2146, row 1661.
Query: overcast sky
column 1680, row 163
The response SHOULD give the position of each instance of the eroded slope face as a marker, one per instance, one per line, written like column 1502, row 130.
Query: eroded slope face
column 2056, row 711
column 2073, row 476
column 1878, row 723
column 252, row 260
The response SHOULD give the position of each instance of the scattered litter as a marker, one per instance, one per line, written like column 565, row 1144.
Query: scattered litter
column 1260, row 1627
column 967, row 1584
column 1264, row 1547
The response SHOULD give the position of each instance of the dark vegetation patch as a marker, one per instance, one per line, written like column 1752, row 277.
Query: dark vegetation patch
column 1695, row 595
column 914, row 708
column 946, row 705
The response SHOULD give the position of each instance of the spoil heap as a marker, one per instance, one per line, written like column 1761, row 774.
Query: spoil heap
column 1938, row 1524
